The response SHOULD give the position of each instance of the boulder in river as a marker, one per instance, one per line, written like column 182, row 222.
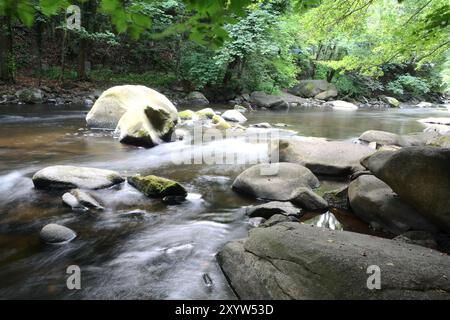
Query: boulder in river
column 114, row 102
column 295, row 261
column 206, row 113
column 336, row 158
column 384, row 138
column 30, row 95
column 381, row 137
column 196, row 99
column 338, row 198
column 266, row 210
column 220, row 123
column 320, row 89
column 374, row 202
column 391, row 101
column 275, row 181
column 188, row 115
column 234, row 116
column 55, row 233
column 80, row 199
column 440, row 141
column 421, row 178
column 275, row 219
column 342, row 105
column 158, row 187
column 146, row 127
column 424, row 104
column 264, row 100
column 307, row 199
column 70, row 177
column 441, row 125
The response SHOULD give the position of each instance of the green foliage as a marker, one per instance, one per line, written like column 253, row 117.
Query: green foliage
column 151, row 78
column 54, row 73
column 198, row 67
column 408, row 84
column 356, row 85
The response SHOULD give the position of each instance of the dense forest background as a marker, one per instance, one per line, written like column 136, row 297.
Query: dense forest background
column 365, row 47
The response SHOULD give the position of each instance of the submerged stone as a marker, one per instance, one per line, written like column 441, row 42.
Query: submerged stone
column 154, row 186
column 69, row 177
column 55, row 233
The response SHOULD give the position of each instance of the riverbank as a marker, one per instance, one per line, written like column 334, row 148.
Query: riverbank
column 27, row 91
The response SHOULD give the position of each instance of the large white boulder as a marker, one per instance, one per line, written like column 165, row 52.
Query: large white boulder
column 114, row 102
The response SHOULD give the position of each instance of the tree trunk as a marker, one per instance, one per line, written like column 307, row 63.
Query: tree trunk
column 38, row 29
column 81, row 74
column 6, row 50
column 63, row 55
column 330, row 75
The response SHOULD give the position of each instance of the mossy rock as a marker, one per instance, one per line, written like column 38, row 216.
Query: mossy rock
column 206, row 113
column 442, row 141
column 220, row 123
column 188, row 115
column 158, row 187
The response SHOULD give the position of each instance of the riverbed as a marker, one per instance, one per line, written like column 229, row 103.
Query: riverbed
column 139, row 248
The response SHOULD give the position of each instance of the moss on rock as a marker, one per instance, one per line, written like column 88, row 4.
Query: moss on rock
column 206, row 113
column 220, row 123
column 154, row 186
column 188, row 115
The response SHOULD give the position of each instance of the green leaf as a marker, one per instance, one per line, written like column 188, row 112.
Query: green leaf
column 25, row 12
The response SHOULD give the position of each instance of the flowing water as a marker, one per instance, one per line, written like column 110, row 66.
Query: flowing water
column 139, row 248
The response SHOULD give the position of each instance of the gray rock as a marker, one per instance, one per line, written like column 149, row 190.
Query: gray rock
column 312, row 88
column 440, row 141
column 338, row 198
column 146, row 127
column 88, row 103
column 384, row 138
column 264, row 100
column 196, row 99
column 420, row 176
column 30, row 95
column 55, row 233
column 70, row 177
column 420, row 238
column 79, row 199
column 424, row 104
column 266, row 210
column 375, row 203
column 275, row 219
column 256, row 222
column 381, row 137
column 342, row 105
column 154, row 186
column 439, row 125
column 295, row 261
column 309, row 200
column 234, row 116
column 277, row 181
column 262, row 125
column 391, row 101
column 334, row 158
column 325, row 95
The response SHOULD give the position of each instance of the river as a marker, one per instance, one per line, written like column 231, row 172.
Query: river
column 138, row 248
